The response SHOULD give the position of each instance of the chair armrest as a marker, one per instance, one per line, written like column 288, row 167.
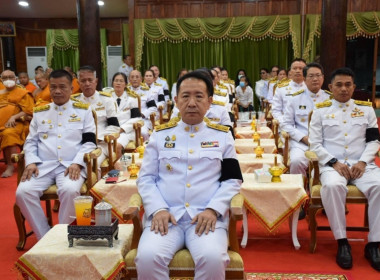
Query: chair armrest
column 16, row 158
column 111, row 137
column 311, row 155
column 236, row 207
column 92, row 166
column 20, row 160
column 133, row 213
column 313, row 168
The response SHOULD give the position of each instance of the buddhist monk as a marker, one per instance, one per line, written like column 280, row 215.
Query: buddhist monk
column 23, row 77
column 75, row 83
column 42, row 93
column 15, row 105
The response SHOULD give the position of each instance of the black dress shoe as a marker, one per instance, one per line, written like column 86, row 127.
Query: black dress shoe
column 302, row 214
column 343, row 256
column 372, row 254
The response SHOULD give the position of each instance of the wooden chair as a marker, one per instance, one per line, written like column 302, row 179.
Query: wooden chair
column 109, row 163
column 182, row 265
column 282, row 145
column 267, row 113
column 51, row 193
column 353, row 196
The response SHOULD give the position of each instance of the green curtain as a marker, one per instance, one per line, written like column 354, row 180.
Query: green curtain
column 62, row 49
column 215, row 30
column 366, row 24
column 125, row 38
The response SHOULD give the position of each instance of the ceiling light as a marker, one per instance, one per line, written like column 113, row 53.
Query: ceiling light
column 23, row 3
column 101, row 3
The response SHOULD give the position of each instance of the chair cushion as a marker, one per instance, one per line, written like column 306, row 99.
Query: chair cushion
column 131, row 145
column 353, row 192
column 105, row 162
column 182, row 260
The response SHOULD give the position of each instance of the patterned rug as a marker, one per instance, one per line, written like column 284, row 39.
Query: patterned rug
column 294, row 276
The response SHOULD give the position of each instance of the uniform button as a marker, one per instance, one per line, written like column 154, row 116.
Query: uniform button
column 190, row 167
column 59, row 135
column 344, row 110
column 191, row 151
column 187, row 128
column 192, row 135
column 60, row 113
column 60, row 159
column 59, row 147
column 59, row 124
column 346, row 159
column 345, row 134
column 347, row 105
column 346, row 147
column 344, row 121
column 187, row 204
column 340, row 105
column 196, row 128
column 188, row 185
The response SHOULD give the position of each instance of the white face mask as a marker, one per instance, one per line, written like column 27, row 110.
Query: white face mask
column 9, row 83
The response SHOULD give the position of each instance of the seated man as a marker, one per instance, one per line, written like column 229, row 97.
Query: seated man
column 345, row 137
column 24, row 81
column 147, row 98
column 15, row 105
column 296, row 116
column 102, row 103
column 186, row 203
column 60, row 134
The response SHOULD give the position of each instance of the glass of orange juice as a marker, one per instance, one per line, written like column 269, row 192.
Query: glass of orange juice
column 83, row 205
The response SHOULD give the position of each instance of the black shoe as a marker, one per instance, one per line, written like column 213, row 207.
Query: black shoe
column 343, row 256
column 372, row 254
column 302, row 214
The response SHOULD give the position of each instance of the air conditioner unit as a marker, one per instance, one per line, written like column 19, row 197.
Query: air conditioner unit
column 35, row 56
column 114, row 60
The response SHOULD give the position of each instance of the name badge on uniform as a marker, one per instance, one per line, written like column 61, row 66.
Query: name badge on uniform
column 169, row 145
column 74, row 118
column 100, row 108
column 357, row 113
column 210, row 144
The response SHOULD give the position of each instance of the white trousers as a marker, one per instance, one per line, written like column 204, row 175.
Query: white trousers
column 334, row 191
column 209, row 251
column 28, row 196
column 104, row 147
column 125, row 138
column 298, row 161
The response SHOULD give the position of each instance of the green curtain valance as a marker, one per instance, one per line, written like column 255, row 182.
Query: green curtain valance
column 366, row 24
column 233, row 29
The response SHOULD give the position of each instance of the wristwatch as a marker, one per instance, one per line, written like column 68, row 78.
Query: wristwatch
column 332, row 161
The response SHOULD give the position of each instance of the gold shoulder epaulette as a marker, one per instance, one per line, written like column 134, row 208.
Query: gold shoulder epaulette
column 175, row 119
column 326, row 103
column 105, row 93
column 218, row 103
column 73, row 98
column 108, row 89
column 132, row 93
column 298, row 92
column 74, row 95
column 217, row 126
column 222, row 86
column 363, row 103
column 283, row 84
column 230, row 81
column 157, row 84
column 144, row 88
column 162, row 78
column 218, row 92
column 129, row 84
column 81, row 105
column 41, row 108
column 272, row 81
column 165, row 125
column 328, row 92
column 284, row 80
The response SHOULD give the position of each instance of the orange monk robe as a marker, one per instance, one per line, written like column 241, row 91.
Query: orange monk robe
column 30, row 87
column 43, row 97
column 12, row 103
column 2, row 86
column 76, row 87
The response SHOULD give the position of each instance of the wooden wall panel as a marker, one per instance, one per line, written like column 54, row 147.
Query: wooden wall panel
column 182, row 10
column 141, row 11
column 222, row 9
column 208, row 10
column 250, row 8
column 195, row 9
column 236, row 9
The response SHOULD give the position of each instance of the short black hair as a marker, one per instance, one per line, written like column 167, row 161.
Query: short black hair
column 148, row 70
column 344, row 71
column 312, row 65
column 282, row 69
column 55, row 74
column 199, row 74
column 87, row 68
column 122, row 74
column 125, row 56
column 298, row 59
column 264, row 69
column 38, row 67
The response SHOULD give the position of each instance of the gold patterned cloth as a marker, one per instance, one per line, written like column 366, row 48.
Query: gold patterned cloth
column 247, row 146
column 249, row 162
column 246, row 132
column 117, row 194
column 52, row 258
column 273, row 203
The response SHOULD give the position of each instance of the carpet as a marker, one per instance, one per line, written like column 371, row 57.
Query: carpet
column 293, row 276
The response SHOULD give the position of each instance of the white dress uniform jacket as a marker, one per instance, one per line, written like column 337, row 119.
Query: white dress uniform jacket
column 126, row 69
column 176, row 174
column 296, row 123
column 281, row 98
column 162, row 82
column 128, row 113
column 259, row 88
column 58, row 137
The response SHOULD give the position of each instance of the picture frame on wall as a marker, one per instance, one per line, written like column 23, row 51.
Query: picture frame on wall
column 7, row 29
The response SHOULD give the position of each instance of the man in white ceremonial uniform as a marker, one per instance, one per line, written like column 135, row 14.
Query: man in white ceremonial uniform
column 127, row 66
column 296, row 116
column 345, row 136
column 155, row 89
column 161, row 81
column 147, row 99
column 186, row 203
column 60, row 133
column 285, row 90
column 103, row 105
